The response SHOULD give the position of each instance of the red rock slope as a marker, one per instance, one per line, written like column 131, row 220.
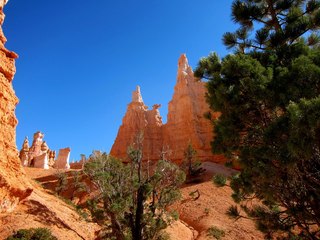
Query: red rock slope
column 45, row 210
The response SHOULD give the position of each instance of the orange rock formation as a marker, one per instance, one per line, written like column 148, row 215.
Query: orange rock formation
column 139, row 119
column 13, row 186
column 186, row 122
column 38, row 155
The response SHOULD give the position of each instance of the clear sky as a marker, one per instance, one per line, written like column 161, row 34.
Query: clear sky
column 79, row 61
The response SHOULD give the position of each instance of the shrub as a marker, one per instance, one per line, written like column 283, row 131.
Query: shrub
column 33, row 234
column 215, row 232
column 191, row 165
column 219, row 180
column 62, row 182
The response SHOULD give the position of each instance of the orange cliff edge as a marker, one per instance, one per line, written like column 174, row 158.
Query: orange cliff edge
column 14, row 186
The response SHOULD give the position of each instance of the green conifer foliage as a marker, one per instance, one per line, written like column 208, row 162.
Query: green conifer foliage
column 133, row 197
column 268, row 92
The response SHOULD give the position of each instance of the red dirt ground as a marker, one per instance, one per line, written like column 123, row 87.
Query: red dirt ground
column 43, row 209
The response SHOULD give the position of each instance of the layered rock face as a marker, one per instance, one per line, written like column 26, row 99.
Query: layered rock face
column 185, row 125
column 13, row 185
column 185, row 121
column 138, row 119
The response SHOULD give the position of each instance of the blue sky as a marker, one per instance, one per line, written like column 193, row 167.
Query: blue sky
column 79, row 61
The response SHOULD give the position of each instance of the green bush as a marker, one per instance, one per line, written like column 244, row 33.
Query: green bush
column 163, row 236
column 219, row 180
column 33, row 234
column 62, row 182
column 215, row 232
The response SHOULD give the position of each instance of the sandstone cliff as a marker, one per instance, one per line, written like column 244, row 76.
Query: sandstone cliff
column 13, row 186
column 186, row 122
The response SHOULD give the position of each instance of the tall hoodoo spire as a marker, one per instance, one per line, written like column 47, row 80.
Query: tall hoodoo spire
column 185, row 73
column 136, row 95
column 183, row 63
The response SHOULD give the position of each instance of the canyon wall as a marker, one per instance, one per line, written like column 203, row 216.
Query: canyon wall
column 185, row 125
column 13, row 184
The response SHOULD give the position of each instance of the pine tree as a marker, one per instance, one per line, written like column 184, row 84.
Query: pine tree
column 134, row 198
column 62, row 182
column 191, row 164
column 78, row 184
column 268, row 96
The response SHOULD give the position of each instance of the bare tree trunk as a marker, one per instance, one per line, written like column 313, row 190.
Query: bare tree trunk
column 137, row 234
column 115, row 225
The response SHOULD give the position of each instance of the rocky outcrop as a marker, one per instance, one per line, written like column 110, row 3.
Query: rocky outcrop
column 79, row 164
column 62, row 161
column 138, row 119
column 13, row 184
column 185, row 121
column 38, row 155
column 185, row 125
column 153, row 134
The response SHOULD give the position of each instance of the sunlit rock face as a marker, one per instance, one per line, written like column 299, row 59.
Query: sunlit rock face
column 139, row 120
column 185, row 121
column 185, row 125
column 62, row 161
column 39, row 155
column 13, row 184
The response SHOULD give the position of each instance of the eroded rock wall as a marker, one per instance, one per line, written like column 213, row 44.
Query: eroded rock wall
column 185, row 125
column 138, row 119
column 13, row 185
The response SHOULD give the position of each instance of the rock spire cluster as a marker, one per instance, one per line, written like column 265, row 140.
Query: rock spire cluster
column 185, row 125
column 40, row 156
column 13, row 184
